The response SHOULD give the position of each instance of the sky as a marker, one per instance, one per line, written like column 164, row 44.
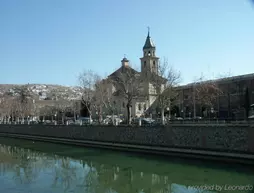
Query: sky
column 53, row 41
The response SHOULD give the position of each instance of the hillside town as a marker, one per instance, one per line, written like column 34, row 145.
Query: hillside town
column 154, row 93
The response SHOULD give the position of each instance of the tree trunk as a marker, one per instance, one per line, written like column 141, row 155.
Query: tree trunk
column 112, row 118
column 63, row 119
column 100, row 115
column 128, row 114
column 162, row 116
column 90, row 118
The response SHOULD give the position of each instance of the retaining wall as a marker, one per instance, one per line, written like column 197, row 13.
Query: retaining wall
column 227, row 138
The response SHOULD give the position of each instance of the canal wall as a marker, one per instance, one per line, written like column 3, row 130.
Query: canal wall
column 201, row 139
column 220, row 138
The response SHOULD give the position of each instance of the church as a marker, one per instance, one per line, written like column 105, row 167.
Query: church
column 142, row 104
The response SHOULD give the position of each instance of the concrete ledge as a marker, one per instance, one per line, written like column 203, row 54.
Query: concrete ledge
column 185, row 153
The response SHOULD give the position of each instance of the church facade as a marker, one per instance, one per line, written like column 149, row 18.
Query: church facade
column 142, row 104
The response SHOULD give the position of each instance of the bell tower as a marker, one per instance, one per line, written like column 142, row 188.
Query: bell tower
column 149, row 61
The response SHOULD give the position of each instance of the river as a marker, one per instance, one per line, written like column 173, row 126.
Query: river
column 37, row 167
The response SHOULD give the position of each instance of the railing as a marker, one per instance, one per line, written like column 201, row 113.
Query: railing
column 153, row 124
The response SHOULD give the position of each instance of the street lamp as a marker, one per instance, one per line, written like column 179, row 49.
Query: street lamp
column 55, row 118
column 168, row 112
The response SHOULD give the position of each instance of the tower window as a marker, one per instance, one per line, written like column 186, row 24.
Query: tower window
column 144, row 64
column 149, row 53
column 154, row 63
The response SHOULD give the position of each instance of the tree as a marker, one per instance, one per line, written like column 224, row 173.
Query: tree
column 75, row 108
column 87, row 81
column 165, row 83
column 62, row 107
column 5, row 108
column 205, row 94
column 101, row 97
column 24, row 101
column 128, row 85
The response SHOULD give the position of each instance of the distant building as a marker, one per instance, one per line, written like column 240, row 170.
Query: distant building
column 229, row 104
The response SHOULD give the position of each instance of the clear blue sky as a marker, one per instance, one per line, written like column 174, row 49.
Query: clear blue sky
column 52, row 41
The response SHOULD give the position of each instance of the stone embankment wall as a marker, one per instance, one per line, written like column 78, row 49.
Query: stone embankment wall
column 229, row 138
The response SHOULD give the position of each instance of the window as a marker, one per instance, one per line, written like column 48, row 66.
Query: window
column 139, row 107
column 144, row 64
column 149, row 53
column 144, row 106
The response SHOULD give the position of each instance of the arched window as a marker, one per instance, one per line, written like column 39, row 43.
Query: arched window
column 139, row 107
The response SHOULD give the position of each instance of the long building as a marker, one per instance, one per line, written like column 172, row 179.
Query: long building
column 236, row 93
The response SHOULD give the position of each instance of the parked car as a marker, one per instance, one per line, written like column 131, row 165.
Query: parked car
column 144, row 121
column 108, row 120
column 84, row 120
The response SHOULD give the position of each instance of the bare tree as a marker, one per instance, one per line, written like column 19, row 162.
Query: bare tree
column 62, row 106
column 87, row 81
column 74, row 108
column 5, row 109
column 164, row 83
column 24, row 101
column 128, row 85
column 101, row 97
column 205, row 93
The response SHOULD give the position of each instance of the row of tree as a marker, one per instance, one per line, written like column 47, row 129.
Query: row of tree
column 22, row 105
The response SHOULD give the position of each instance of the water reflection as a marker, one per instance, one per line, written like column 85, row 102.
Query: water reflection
column 37, row 168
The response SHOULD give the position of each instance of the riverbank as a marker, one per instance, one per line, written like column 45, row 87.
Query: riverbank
column 188, row 142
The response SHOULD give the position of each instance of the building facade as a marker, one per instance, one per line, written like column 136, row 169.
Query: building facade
column 236, row 94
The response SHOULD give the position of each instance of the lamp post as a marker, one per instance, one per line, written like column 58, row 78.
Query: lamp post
column 211, row 112
column 55, row 119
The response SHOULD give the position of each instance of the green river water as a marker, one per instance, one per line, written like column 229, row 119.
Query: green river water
column 36, row 167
